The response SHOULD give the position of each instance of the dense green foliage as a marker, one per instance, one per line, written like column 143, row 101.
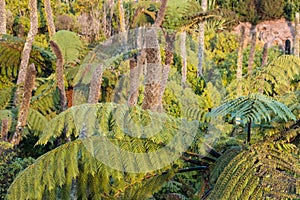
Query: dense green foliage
column 194, row 148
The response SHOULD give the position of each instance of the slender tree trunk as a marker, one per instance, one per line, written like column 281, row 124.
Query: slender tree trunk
column 239, row 71
column 24, row 108
column 153, row 73
column 265, row 53
column 264, row 63
column 121, row 16
column 170, row 39
column 154, row 69
column 27, row 49
column 104, row 20
column 161, row 14
column 95, row 87
column 201, row 41
column 2, row 18
column 252, row 49
column 297, row 35
column 136, row 65
column 183, row 57
column 60, row 75
column 111, row 13
column 49, row 17
column 4, row 129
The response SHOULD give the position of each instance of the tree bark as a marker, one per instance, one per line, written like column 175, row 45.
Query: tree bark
column 24, row 108
column 2, row 18
column 252, row 49
column 201, row 41
column 264, row 62
column 154, row 69
column 95, row 87
column 27, row 49
column 265, row 54
column 4, row 129
column 60, row 75
column 297, row 35
column 153, row 73
column 136, row 66
column 239, row 71
column 111, row 13
column 161, row 14
column 49, row 18
column 183, row 57
column 121, row 16
column 170, row 39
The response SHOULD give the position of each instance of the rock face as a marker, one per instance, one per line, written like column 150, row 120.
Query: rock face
column 277, row 32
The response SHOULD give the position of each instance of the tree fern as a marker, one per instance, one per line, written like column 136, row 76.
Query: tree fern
column 255, row 108
column 260, row 172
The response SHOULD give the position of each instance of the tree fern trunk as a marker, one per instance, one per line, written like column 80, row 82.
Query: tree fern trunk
column 24, row 108
column 60, row 75
column 121, row 16
column 265, row 54
column 201, row 41
column 183, row 57
column 239, row 71
column 136, row 68
column 4, row 129
column 27, row 48
column 153, row 73
column 264, row 62
column 95, row 87
column 111, row 13
column 252, row 49
column 104, row 20
column 170, row 39
column 297, row 35
column 49, row 17
column 154, row 69
column 161, row 13
column 2, row 18
column 200, row 49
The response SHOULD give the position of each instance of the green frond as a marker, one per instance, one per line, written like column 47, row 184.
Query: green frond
column 36, row 122
column 275, row 78
column 222, row 162
column 255, row 108
column 69, row 44
column 10, row 58
column 5, row 97
column 260, row 172
column 119, row 121
column 46, row 97
column 54, row 173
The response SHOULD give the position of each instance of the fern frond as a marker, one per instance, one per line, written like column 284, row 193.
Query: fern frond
column 69, row 44
column 255, row 108
column 262, row 171
column 5, row 97
column 56, row 171
column 46, row 97
column 10, row 57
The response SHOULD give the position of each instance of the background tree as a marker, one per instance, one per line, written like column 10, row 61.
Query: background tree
column 49, row 17
column 2, row 18
column 27, row 48
column 201, row 40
